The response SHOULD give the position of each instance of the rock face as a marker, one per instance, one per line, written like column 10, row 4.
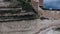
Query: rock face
column 35, row 4
column 50, row 14
column 6, row 3
column 49, row 27
column 36, row 26
column 19, row 27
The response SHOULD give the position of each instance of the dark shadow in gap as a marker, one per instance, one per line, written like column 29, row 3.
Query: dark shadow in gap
column 43, row 18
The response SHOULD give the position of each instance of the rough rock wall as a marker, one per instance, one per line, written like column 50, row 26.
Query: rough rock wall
column 27, row 27
column 19, row 27
column 34, row 4
column 50, row 14
column 48, row 25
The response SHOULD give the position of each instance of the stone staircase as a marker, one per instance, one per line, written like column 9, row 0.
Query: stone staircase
column 15, row 13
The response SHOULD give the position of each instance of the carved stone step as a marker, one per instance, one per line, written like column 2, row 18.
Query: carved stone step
column 17, row 18
column 2, row 9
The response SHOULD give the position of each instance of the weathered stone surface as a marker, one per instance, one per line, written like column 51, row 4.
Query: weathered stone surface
column 19, row 27
column 50, row 14
column 48, row 25
column 28, row 26
column 35, row 4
